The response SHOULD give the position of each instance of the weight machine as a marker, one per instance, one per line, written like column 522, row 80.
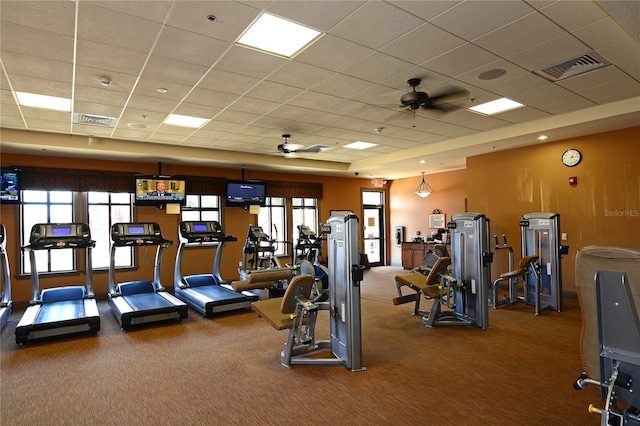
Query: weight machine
column 465, row 290
column 527, row 265
column 541, row 237
column 607, row 280
column 297, row 313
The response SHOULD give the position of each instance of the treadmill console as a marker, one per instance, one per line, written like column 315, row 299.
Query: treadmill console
column 203, row 232
column 138, row 234
column 46, row 236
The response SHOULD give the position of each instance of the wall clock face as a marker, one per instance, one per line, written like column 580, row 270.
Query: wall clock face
column 571, row 157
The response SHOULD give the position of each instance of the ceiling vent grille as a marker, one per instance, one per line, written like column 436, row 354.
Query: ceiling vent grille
column 94, row 120
column 586, row 63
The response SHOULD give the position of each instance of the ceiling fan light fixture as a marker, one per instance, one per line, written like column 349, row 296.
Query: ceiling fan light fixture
column 424, row 189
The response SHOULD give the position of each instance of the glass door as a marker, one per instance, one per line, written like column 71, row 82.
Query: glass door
column 373, row 226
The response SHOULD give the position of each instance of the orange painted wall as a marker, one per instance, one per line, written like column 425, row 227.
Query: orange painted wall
column 409, row 210
column 602, row 209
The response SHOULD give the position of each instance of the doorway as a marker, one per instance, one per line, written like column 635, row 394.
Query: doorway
column 373, row 226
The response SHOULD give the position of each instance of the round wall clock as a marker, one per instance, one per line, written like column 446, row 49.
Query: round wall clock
column 571, row 157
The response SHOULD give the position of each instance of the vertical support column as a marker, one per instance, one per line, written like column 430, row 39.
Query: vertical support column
column 540, row 233
column 344, row 290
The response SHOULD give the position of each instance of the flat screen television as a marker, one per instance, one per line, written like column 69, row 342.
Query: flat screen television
column 242, row 193
column 154, row 190
column 10, row 186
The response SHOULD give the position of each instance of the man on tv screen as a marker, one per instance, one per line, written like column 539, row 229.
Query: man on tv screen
column 160, row 190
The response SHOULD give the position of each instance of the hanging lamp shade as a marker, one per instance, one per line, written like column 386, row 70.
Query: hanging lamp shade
column 424, row 189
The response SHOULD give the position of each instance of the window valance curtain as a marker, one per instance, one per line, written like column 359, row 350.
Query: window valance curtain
column 56, row 179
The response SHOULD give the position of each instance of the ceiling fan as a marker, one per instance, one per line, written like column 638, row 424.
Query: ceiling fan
column 415, row 100
column 290, row 148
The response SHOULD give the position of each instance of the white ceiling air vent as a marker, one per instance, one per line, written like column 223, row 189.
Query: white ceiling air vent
column 588, row 62
column 94, row 120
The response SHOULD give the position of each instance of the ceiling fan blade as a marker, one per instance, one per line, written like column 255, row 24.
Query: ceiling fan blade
column 441, row 109
column 450, row 95
column 314, row 148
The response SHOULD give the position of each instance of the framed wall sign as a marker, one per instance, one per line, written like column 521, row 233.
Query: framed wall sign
column 436, row 221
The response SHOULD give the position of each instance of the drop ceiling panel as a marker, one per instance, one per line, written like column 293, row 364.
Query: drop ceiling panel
column 377, row 67
column 300, row 75
column 105, row 26
column 460, row 60
column 227, row 82
column 601, row 33
column 59, row 19
column 36, row 42
column 314, row 14
column 184, row 46
column 570, row 17
column 333, row 53
column 375, row 24
column 425, row 9
column 249, row 62
column 422, row 43
column 163, row 68
column 523, row 33
column 232, row 18
column 473, row 19
column 37, row 67
column 109, row 58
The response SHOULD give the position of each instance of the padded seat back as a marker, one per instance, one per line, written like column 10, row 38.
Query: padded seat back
column 300, row 285
column 589, row 261
column 438, row 265
column 526, row 261
column 136, row 287
column 59, row 294
column 440, row 250
column 200, row 280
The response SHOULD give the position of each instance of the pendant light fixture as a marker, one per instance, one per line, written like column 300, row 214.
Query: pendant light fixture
column 424, row 189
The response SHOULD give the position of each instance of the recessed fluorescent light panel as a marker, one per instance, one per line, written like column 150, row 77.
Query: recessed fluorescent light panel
column 185, row 121
column 496, row 107
column 360, row 145
column 43, row 101
column 276, row 35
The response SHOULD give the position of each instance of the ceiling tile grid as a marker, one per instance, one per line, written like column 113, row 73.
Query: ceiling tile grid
column 343, row 88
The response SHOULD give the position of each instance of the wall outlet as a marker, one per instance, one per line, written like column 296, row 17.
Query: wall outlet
column 564, row 236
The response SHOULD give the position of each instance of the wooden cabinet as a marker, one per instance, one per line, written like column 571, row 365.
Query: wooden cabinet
column 412, row 253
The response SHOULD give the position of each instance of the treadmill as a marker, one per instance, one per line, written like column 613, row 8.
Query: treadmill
column 141, row 302
column 60, row 310
column 6, row 305
column 207, row 293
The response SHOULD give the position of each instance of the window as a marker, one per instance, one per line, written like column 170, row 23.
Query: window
column 272, row 220
column 202, row 207
column 105, row 209
column 304, row 212
column 46, row 207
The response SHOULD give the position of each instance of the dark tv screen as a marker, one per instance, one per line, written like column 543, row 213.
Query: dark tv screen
column 157, row 190
column 242, row 193
column 10, row 186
